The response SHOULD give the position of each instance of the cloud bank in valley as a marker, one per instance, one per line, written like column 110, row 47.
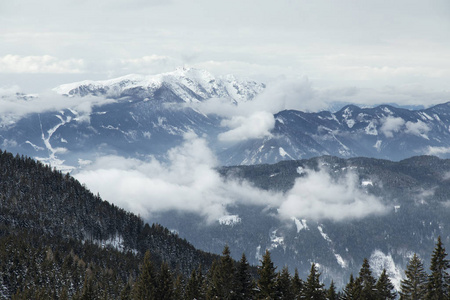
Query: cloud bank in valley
column 189, row 182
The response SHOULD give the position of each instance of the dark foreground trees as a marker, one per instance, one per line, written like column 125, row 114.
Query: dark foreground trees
column 69, row 277
column 438, row 285
column 413, row 287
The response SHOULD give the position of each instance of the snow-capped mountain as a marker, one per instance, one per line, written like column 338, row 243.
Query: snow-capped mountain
column 138, row 116
column 147, row 115
column 382, row 132
column 130, row 116
column 186, row 84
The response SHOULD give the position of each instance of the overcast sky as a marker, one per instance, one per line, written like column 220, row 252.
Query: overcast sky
column 365, row 48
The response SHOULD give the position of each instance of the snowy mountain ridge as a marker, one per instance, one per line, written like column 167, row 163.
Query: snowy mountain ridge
column 139, row 115
column 189, row 84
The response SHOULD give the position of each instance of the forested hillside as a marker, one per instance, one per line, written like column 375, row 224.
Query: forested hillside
column 44, row 211
column 59, row 241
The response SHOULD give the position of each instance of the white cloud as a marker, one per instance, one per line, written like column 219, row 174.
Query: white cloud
column 446, row 175
column 437, row 151
column 288, row 93
column 188, row 182
column 421, row 196
column 39, row 64
column 419, row 128
column 390, row 125
column 255, row 126
column 318, row 196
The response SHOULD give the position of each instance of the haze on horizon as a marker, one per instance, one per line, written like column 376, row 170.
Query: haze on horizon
column 366, row 52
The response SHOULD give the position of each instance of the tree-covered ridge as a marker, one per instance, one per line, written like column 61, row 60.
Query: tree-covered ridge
column 55, row 241
column 43, row 202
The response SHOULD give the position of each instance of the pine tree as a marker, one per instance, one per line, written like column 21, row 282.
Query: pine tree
column 297, row 285
column 365, row 283
column 385, row 288
column 164, row 283
column 439, row 280
column 331, row 292
column 88, row 289
column 225, row 275
column 267, row 278
column 178, row 288
column 413, row 287
column 313, row 288
column 284, row 285
column 125, row 294
column 212, row 281
column 194, row 287
column 244, row 284
column 145, row 286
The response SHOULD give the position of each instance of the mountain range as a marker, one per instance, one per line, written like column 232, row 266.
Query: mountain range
column 383, row 196
column 136, row 116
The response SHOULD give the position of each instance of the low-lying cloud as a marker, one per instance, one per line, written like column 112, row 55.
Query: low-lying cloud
column 255, row 119
column 189, row 182
column 391, row 125
column 255, row 126
column 318, row 196
column 437, row 151
column 419, row 128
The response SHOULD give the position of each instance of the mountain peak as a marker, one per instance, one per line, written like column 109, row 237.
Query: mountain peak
column 189, row 84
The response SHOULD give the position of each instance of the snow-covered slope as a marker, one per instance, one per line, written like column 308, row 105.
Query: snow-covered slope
column 382, row 132
column 139, row 115
column 190, row 85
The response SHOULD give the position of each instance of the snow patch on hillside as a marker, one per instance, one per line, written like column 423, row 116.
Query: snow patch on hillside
column 300, row 224
column 340, row 261
column 275, row 240
column 366, row 183
column 379, row 261
column 283, row 153
column 323, row 234
column 301, row 170
column 229, row 220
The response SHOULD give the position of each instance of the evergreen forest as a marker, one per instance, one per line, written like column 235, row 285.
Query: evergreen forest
column 59, row 241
